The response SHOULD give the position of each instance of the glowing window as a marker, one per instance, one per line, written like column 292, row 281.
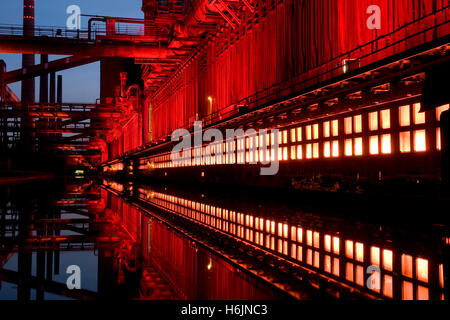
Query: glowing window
column 327, row 243
column 308, row 133
column 349, row 272
column 420, row 143
column 405, row 117
column 285, row 136
column 373, row 121
column 349, row 249
column 348, row 125
column 386, row 144
column 407, row 267
column 407, row 290
column 405, row 142
column 358, row 147
column 422, row 293
column 316, row 240
column 309, row 238
column 357, row 123
column 309, row 256
column 326, row 129
column 327, row 149
column 359, row 276
column 336, row 267
column 327, row 264
column 300, row 235
column 387, row 260
column 299, row 134
column 387, row 286
column 440, row 110
column 299, row 152
column 309, row 151
column 386, row 119
column 438, row 138
column 335, row 245
column 375, row 256
column 348, row 147
column 419, row 117
column 285, row 153
column 293, row 131
column 422, row 269
column 316, row 131
column 335, row 128
column 373, row 145
column 316, row 150
column 293, row 153
column 335, row 147
column 359, row 252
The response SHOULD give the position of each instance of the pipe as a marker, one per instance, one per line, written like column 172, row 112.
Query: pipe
column 43, row 86
column 28, row 85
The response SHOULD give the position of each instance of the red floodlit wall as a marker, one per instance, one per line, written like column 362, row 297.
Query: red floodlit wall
column 286, row 46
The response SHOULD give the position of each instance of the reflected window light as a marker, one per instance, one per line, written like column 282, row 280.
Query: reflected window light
column 349, row 249
column 439, row 111
column 327, row 149
column 420, row 143
column 422, row 269
column 404, row 116
column 386, row 144
column 422, row 293
column 387, row 260
column 335, row 128
column 335, row 147
column 373, row 121
column 438, row 139
column 407, row 290
column 348, row 125
column 385, row 119
column 374, row 145
column 359, row 252
column 327, row 243
column 388, row 286
column 419, row 117
column 375, row 256
column 326, row 129
column 357, row 124
column 407, row 265
column 405, row 142
column 348, row 147
column 358, row 147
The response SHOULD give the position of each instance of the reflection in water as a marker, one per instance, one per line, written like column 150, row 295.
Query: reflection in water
column 409, row 267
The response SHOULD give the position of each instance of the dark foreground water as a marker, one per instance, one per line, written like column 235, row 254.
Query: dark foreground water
column 86, row 240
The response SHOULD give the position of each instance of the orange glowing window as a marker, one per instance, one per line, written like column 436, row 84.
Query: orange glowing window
column 405, row 142
column 348, row 125
column 335, row 147
column 285, row 230
column 359, row 276
column 438, row 139
column 280, row 230
column 375, row 256
column 309, row 256
column 420, row 143
column 439, row 111
column 336, row 248
column 293, row 131
column 299, row 152
column 327, row 149
column 299, row 253
column 315, row 150
column 407, row 265
column 407, row 290
column 385, row 119
column 327, row 264
column 359, row 252
column 316, row 259
column 308, row 130
column 300, row 235
column 285, row 136
column 349, row 275
column 327, row 243
column 441, row 275
column 387, row 260
column 405, row 117
column 335, row 128
column 294, row 251
column 386, row 144
column 336, row 267
column 272, row 227
column 358, row 147
column 309, row 240
column 419, row 117
column 326, row 129
column 308, row 151
column 316, row 131
column 388, row 286
column 293, row 233
column 373, row 145
column 299, row 134
column 293, row 152
column 357, row 124
column 348, row 147
column 422, row 293
column 422, row 269
column 373, row 121
column 349, row 249
column 285, row 153
column 316, row 240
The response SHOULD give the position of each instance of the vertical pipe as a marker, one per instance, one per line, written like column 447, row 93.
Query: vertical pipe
column 28, row 59
column 52, row 87
column 43, row 86
column 59, row 96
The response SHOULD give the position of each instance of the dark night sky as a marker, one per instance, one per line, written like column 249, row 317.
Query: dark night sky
column 80, row 84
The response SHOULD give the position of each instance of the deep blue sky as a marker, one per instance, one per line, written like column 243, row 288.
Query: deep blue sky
column 80, row 84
